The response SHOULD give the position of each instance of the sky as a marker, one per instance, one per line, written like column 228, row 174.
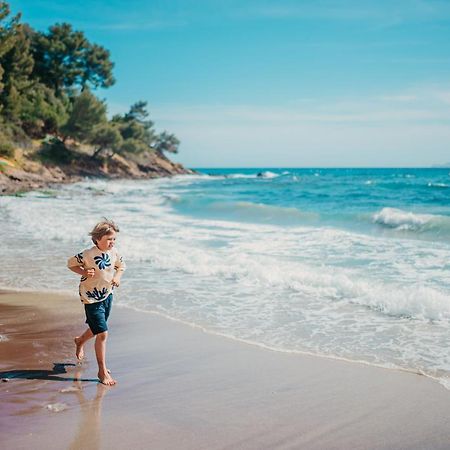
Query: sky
column 277, row 83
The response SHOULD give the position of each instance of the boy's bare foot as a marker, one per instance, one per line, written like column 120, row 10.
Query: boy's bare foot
column 79, row 352
column 105, row 378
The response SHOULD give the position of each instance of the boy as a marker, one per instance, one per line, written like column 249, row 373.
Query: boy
column 100, row 268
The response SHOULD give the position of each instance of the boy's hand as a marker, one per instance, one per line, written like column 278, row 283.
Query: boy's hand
column 90, row 273
column 115, row 281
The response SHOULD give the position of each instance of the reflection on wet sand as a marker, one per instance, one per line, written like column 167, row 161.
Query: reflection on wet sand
column 88, row 435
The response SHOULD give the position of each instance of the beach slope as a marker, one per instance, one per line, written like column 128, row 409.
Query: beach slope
column 181, row 388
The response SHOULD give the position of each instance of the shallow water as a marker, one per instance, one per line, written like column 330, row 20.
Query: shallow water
column 347, row 263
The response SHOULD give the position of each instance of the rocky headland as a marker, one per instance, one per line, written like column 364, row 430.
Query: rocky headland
column 38, row 171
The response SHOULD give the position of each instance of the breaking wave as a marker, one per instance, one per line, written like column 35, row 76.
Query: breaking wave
column 401, row 220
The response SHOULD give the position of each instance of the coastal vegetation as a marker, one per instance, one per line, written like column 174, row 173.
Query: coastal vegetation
column 48, row 108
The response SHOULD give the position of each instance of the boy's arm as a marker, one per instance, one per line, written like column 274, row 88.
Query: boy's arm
column 119, row 268
column 78, row 270
column 75, row 264
column 84, row 273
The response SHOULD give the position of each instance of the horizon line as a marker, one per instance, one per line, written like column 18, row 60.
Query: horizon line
column 321, row 167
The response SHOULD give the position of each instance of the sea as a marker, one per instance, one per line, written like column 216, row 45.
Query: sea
column 351, row 264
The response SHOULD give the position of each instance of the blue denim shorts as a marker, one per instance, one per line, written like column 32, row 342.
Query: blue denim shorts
column 97, row 314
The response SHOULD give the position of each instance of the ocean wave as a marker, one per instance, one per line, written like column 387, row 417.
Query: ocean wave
column 416, row 302
column 241, row 175
column 172, row 197
column 408, row 221
column 325, row 285
column 260, row 212
column 438, row 185
column 268, row 174
column 264, row 174
column 332, row 291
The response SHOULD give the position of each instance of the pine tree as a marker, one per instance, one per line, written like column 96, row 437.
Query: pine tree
column 166, row 142
column 106, row 137
column 87, row 113
column 17, row 64
column 8, row 27
column 65, row 59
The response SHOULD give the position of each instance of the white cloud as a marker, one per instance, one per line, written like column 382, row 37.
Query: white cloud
column 443, row 96
column 325, row 145
column 399, row 98
column 394, row 129
column 399, row 107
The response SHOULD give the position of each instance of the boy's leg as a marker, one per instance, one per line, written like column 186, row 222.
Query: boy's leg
column 100, row 353
column 96, row 317
column 80, row 341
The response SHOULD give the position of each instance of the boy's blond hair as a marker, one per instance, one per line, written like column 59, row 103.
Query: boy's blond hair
column 102, row 228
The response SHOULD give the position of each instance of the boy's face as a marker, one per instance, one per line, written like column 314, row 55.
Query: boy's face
column 107, row 241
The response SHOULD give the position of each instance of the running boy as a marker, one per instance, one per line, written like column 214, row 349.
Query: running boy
column 100, row 268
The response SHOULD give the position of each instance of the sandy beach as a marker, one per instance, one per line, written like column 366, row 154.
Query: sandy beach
column 181, row 388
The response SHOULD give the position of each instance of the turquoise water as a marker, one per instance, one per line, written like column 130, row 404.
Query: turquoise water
column 345, row 198
column 343, row 263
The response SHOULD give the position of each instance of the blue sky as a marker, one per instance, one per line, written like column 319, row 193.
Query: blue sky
column 278, row 83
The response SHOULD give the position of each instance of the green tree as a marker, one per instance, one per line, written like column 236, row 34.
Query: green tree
column 8, row 28
column 17, row 64
column 133, row 147
column 98, row 68
column 135, row 128
column 27, row 104
column 106, row 137
column 166, row 142
column 42, row 112
column 87, row 113
column 138, row 113
column 65, row 59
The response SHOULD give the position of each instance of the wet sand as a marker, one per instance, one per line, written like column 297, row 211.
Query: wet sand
column 181, row 388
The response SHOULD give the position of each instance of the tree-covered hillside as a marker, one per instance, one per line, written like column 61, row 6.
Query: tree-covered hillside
column 47, row 85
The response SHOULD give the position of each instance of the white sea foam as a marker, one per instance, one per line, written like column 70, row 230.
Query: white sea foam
column 445, row 381
column 172, row 197
column 70, row 389
column 57, row 407
column 268, row 174
column 241, row 175
column 336, row 284
column 403, row 220
column 178, row 250
column 321, row 290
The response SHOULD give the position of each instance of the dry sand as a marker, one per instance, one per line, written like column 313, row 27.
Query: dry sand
column 181, row 388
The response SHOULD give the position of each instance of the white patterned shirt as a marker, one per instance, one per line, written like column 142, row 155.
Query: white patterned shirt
column 105, row 263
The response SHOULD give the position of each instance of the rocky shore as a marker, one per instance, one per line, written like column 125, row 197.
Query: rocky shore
column 29, row 174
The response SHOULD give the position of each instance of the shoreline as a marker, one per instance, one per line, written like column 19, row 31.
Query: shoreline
column 281, row 350
column 179, row 387
column 202, row 329
column 32, row 175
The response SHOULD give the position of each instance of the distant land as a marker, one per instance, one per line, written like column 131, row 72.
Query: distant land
column 441, row 166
